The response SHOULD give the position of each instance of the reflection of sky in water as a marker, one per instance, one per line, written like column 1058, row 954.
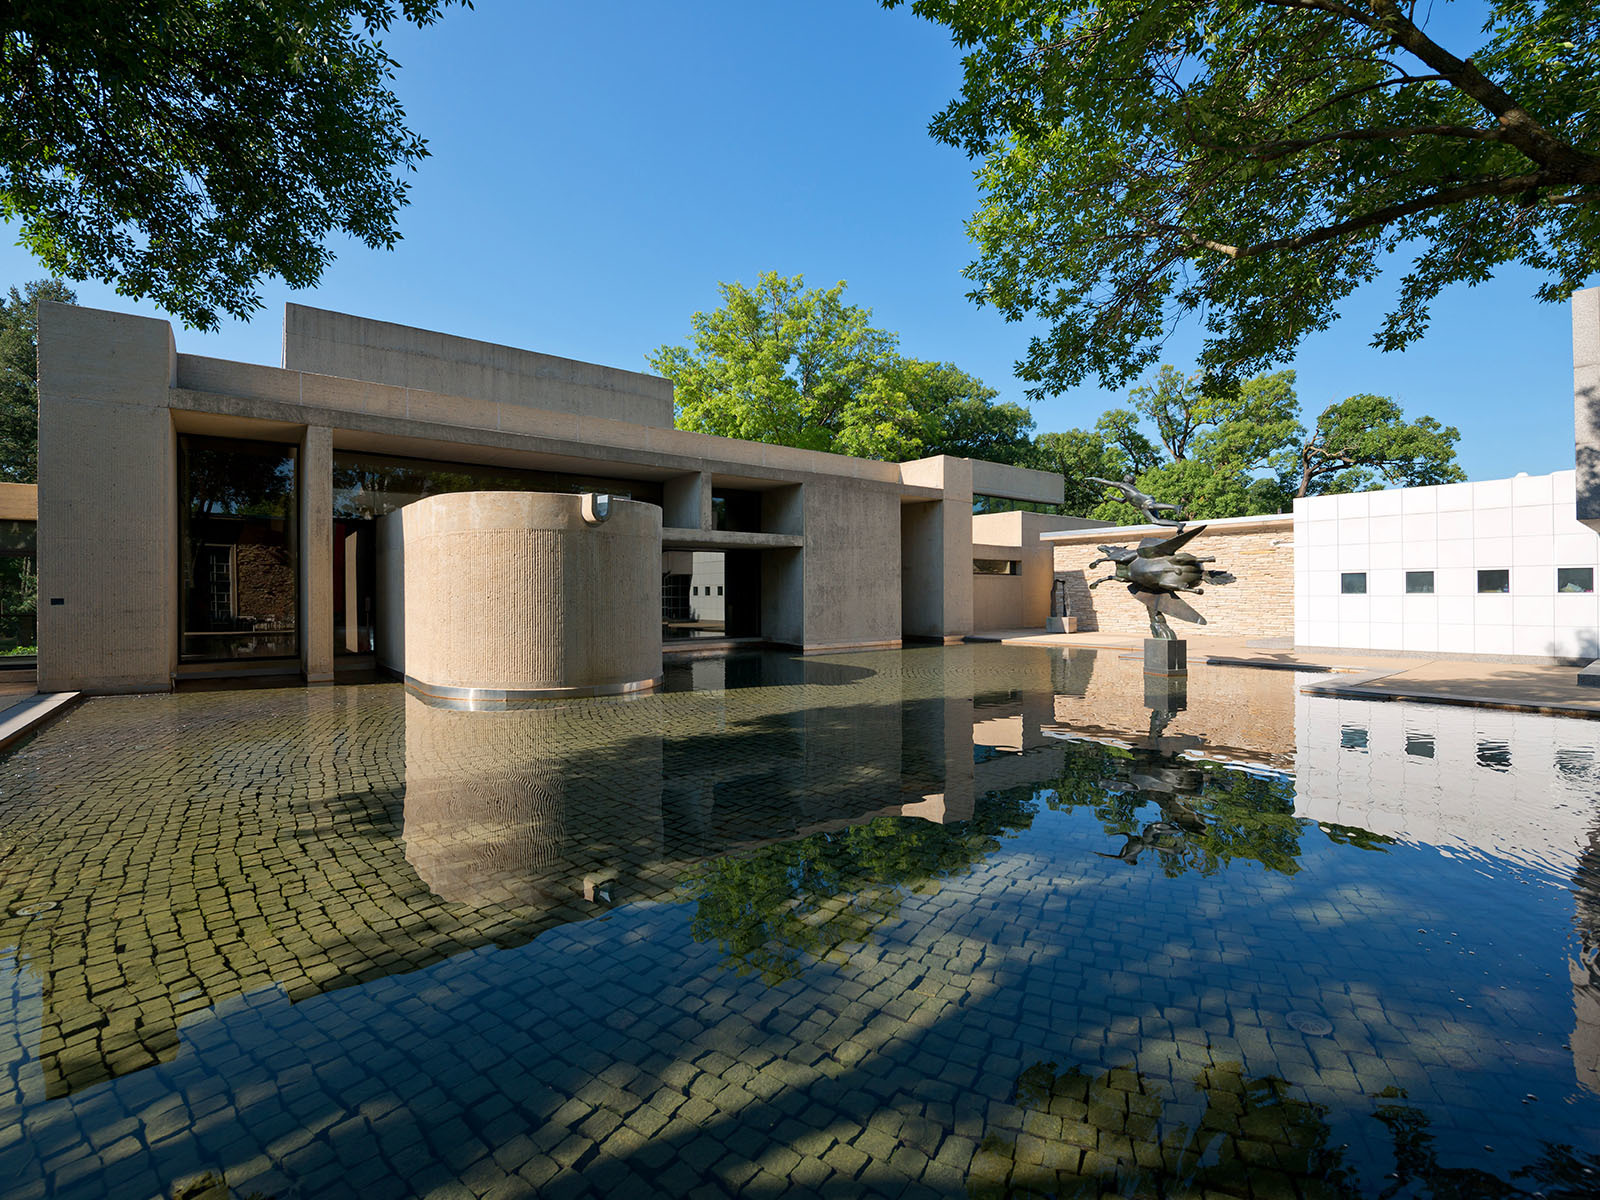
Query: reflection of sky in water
column 689, row 938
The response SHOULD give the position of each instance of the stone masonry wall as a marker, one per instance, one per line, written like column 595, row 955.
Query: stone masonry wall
column 1259, row 604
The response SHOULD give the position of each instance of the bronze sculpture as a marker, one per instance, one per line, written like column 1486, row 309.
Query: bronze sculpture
column 1159, row 567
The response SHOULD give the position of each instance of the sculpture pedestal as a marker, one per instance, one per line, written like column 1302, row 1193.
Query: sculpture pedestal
column 1166, row 657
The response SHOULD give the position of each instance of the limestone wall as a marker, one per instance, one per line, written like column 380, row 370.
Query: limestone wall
column 1258, row 550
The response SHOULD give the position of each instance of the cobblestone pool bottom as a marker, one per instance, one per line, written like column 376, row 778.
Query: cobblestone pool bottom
column 334, row 942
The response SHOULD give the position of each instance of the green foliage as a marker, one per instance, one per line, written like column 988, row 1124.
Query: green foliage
column 783, row 904
column 1241, row 450
column 1364, row 442
column 19, row 367
column 797, row 366
column 1253, row 162
column 183, row 151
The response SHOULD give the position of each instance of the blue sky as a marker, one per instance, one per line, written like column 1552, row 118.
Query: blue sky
column 597, row 169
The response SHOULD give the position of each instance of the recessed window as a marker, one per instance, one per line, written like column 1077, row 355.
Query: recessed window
column 694, row 591
column 1353, row 583
column 719, row 589
column 1574, row 579
column 1419, row 583
column 1494, row 581
column 994, row 566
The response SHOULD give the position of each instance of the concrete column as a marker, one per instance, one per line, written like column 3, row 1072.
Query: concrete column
column 316, row 554
column 1586, row 402
column 686, row 501
column 936, row 551
column 108, row 507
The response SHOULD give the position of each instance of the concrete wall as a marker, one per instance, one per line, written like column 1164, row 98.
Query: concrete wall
column 321, row 342
column 1020, row 601
column 851, row 573
column 108, row 513
column 515, row 592
column 1586, row 402
column 1260, row 551
column 1525, row 525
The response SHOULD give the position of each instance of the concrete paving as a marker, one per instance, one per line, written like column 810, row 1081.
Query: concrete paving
column 1517, row 686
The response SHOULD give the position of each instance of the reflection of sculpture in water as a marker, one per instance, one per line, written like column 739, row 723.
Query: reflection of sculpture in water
column 1157, row 570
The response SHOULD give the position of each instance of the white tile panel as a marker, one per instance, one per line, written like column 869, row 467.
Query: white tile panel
column 1492, row 639
column 1386, row 529
column 1577, row 549
column 1492, row 552
column 1563, row 488
column 1533, row 611
column 1419, row 500
column 1535, row 552
column 1535, row 639
column 1385, row 503
column 1386, row 635
column 1491, row 610
column 1455, row 525
column 1423, row 637
column 1353, row 608
column 1355, row 558
column 1491, row 523
column 1420, row 556
column 1456, row 554
column 1356, row 634
column 1387, row 556
column 1533, row 520
column 1385, row 609
column 1452, row 497
column 1419, row 527
column 1492, row 493
column 1354, row 531
column 1533, row 489
column 1455, row 639
column 1354, row 504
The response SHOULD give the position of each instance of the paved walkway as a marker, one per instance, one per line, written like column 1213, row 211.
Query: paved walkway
column 1520, row 686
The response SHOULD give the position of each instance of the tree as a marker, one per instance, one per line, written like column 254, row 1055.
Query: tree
column 19, row 377
column 1255, row 161
column 1242, row 450
column 1359, row 440
column 184, row 151
column 796, row 366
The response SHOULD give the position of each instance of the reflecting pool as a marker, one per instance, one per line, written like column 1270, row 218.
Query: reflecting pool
column 971, row 920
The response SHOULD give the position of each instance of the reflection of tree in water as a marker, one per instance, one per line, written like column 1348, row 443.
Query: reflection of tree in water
column 1119, row 1131
column 781, row 905
column 1210, row 814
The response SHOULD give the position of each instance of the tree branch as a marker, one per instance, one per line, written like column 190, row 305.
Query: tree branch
column 1267, row 151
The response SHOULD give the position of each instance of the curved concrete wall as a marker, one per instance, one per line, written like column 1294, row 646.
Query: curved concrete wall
column 508, row 594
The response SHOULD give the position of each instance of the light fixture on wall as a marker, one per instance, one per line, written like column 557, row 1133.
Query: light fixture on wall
column 596, row 507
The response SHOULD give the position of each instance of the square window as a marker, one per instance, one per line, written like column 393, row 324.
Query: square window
column 1353, row 583
column 1574, row 579
column 1494, row 581
column 1353, row 737
column 1419, row 583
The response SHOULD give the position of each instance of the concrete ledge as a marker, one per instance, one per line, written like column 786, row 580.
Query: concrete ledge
column 1589, row 677
column 29, row 715
column 1360, row 688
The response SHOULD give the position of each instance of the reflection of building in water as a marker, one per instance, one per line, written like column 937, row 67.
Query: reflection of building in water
column 1473, row 780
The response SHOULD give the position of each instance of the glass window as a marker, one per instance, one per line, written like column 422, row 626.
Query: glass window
column 994, row 566
column 1494, row 581
column 1419, row 583
column 240, row 585
column 1419, row 745
column 1574, row 579
column 1353, row 737
column 1353, row 583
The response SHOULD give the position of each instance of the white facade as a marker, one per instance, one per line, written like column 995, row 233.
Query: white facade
column 1524, row 526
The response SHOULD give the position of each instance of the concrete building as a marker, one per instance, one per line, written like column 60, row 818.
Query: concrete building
column 199, row 516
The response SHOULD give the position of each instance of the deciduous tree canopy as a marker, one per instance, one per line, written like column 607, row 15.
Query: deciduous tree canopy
column 1255, row 161
column 19, row 367
column 184, row 150
column 783, row 363
column 1243, row 450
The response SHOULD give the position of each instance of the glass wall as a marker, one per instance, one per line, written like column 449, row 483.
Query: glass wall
column 239, row 579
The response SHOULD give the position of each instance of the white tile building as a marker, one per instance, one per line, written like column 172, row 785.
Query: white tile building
column 1501, row 567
